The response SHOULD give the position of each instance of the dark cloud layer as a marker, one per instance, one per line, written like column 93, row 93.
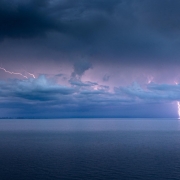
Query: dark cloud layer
column 118, row 28
column 24, row 19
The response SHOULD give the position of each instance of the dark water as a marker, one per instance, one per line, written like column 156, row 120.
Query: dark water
column 90, row 149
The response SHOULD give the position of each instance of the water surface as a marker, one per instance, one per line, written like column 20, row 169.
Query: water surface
column 90, row 149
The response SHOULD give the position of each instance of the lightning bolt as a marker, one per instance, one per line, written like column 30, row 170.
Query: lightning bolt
column 11, row 72
column 178, row 104
column 31, row 74
column 17, row 73
column 150, row 78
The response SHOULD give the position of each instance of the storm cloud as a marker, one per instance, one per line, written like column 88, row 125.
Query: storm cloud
column 90, row 58
column 80, row 67
column 122, row 29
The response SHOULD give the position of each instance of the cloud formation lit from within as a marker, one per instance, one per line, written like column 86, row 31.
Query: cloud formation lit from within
column 80, row 99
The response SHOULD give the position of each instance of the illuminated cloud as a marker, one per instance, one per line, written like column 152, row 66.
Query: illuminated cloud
column 80, row 99
column 152, row 92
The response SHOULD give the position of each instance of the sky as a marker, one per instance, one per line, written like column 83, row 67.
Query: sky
column 89, row 58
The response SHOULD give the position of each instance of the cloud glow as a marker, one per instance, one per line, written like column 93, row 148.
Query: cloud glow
column 80, row 95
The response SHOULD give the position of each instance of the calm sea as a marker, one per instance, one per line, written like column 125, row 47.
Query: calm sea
column 90, row 149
